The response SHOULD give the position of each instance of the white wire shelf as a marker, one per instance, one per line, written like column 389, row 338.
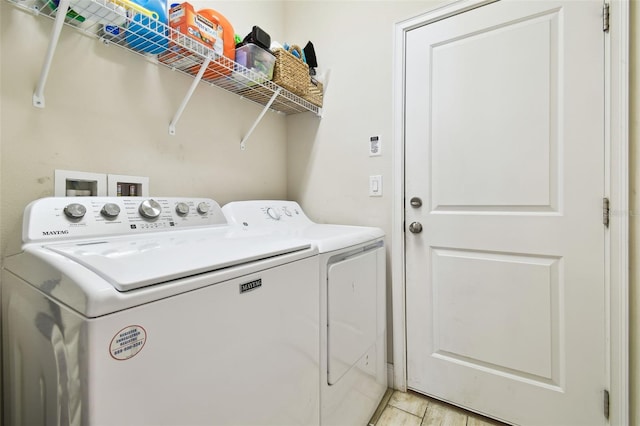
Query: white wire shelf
column 179, row 52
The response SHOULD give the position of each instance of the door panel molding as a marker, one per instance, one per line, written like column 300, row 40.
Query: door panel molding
column 616, row 185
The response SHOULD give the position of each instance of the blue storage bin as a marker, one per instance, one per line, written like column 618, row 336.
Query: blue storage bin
column 146, row 33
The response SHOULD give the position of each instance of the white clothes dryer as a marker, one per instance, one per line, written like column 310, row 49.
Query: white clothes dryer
column 130, row 311
column 353, row 375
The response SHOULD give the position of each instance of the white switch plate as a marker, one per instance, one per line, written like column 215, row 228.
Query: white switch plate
column 375, row 146
column 375, row 186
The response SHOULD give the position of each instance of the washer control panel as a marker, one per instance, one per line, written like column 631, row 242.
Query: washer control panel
column 64, row 218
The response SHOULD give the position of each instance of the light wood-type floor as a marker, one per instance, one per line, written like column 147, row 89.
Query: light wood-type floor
column 411, row 409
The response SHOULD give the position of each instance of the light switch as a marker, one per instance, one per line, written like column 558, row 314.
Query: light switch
column 375, row 186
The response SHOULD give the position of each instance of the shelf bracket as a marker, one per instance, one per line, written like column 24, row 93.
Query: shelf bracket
column 255, row 124
column 38, row 95
column 185, row 101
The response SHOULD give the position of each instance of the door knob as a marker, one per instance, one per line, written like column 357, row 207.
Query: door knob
column 416, row 202
column 415, row 227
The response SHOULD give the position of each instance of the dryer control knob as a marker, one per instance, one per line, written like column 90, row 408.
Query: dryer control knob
column 273, row 214
column 286, row 211
column 110, row 210
column 203, row 208
column 75, row 211
column 182, row 209
column 150, row 209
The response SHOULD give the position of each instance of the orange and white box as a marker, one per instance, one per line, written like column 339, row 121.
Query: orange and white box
column 200, row 34
column 184, row 19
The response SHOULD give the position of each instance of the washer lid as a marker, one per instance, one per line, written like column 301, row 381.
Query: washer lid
column 131, row 263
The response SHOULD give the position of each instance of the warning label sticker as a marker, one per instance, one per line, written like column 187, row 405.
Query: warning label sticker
column 128, row 342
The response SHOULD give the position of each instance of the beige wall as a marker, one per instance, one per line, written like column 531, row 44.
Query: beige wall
column 634, row 161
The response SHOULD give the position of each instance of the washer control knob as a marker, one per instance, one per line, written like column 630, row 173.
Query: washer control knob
column 203, row 208
column 273, row 214
column 182, row 209
column 110, row 210
column 75, row 211
column 286, row 211
column 150, row 209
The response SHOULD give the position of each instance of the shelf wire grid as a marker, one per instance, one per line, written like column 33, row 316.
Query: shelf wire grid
column 124, row 24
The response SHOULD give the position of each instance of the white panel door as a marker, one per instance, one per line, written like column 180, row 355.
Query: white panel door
column 504, row 147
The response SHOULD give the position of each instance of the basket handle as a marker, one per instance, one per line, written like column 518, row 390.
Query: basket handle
column 296, row 48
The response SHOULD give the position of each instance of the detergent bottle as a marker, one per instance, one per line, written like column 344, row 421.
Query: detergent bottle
column 149, row 31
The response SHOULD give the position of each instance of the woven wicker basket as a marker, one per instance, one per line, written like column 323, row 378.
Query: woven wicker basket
column 291, row 73
column 314, row 95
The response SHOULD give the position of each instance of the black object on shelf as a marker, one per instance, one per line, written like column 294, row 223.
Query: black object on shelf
column 258, row 37
column 310, row 55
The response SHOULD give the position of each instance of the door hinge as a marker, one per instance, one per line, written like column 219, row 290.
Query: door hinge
column 605, row 17
column 605, row 211
column 606, row 404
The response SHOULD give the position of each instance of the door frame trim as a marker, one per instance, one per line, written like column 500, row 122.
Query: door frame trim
column 616, row 185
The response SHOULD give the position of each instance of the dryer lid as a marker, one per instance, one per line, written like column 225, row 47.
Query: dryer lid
column 329, row 237
column 131, row 263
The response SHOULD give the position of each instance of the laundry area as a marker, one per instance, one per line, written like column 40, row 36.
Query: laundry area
column 214, row 213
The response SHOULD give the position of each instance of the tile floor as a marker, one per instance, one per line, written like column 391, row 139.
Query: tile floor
column 411, row 409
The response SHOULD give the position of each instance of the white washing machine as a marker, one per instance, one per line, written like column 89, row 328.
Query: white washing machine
column 353, row 376
column 129, row 311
